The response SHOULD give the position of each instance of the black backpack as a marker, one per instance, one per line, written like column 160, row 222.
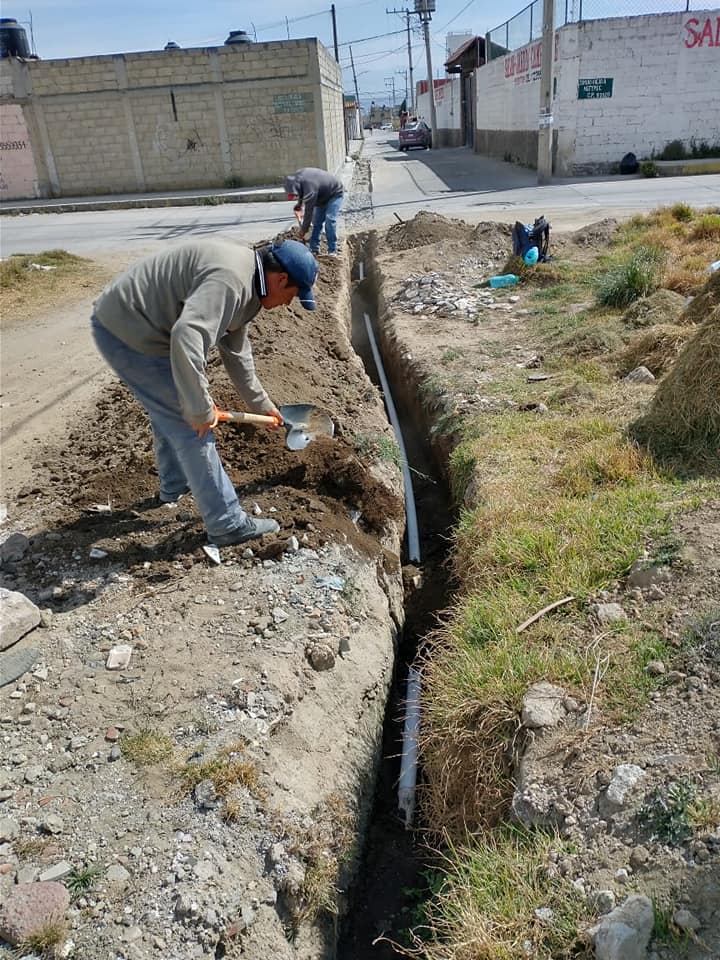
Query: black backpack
column 629, row 164
column 538, row 235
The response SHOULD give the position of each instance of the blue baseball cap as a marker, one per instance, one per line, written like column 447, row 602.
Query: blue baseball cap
column 301, row 267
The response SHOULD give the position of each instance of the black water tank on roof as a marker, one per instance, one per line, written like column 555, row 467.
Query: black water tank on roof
column 238, row 36
column 13, row 39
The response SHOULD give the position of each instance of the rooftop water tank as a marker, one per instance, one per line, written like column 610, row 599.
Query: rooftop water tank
column 238, row 36
column 13, row 39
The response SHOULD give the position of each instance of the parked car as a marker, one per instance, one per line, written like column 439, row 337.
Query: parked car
column 386, row 126
column 415, row 135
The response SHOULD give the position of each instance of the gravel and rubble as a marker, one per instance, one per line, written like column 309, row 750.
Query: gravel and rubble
column 225, row 657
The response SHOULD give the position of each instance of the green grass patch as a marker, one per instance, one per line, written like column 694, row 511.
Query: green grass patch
column 379, row 446
column 488, row 902
column 706, row 227
column 632, row 278
column 564, row 508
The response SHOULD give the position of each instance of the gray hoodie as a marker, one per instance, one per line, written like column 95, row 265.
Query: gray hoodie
column 313, row 188
column 184, row 301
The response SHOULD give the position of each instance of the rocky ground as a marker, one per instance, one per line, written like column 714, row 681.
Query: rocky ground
column 191, row 746
column 189, row 749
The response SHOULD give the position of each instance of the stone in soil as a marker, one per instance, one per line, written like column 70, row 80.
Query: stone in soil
column 321, row 657
column 618, row 791
column 610, row 613
column 29, row 907
column 542, row 706
column 625, row 933
column 14, row 548
column 18, row 616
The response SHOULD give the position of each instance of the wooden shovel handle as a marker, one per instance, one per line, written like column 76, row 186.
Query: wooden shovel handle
column 235, row 416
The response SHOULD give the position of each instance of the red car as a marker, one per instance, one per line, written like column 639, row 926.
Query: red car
column 415, row 135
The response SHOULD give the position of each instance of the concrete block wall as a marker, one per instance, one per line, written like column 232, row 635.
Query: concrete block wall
column 448, row 110
column 181, row 119
column 333, row 110
column 666, row 85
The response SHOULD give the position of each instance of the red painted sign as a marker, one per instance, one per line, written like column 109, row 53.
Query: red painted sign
column 525, row 64
column 700, row 31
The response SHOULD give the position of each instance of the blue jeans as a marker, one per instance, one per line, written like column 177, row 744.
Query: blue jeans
column 326, row 216
column 184, row 461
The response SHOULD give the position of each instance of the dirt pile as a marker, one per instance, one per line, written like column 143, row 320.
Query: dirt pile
column 699, row 308
column 424, row 229
column 663, row 306
column 683, row 420
column 324, row 493
column 656, row 348
column 598, row 234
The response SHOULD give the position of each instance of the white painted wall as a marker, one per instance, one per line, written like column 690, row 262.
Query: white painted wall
column 447, row 105
column 666, row 85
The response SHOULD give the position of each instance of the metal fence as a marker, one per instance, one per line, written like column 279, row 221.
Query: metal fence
column 526, row 25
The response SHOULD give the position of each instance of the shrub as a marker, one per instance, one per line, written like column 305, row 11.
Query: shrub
column 682, row 212
column 674, row 150
column 629, row 280
column 707, row 227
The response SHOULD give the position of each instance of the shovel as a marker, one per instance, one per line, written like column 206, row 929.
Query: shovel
column 303, row 423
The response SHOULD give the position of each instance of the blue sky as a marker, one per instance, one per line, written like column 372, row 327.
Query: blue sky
column 75, row 28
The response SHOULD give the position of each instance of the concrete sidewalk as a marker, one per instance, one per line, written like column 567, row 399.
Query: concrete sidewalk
column 211, row 197
column 129, row 201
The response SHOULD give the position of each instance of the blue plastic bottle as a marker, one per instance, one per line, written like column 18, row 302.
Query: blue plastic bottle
column 505, row 280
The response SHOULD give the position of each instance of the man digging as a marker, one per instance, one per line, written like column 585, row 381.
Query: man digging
column 155, row 325
column 319, row 198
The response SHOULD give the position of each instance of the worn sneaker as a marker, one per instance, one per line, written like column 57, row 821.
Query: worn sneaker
column 252, row 530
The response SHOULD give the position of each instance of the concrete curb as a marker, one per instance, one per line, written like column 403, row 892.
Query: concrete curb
column 687, row 168
column 131, row 203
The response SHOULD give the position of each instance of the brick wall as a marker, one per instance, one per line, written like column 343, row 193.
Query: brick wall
column 181, row 119
column 666, row 86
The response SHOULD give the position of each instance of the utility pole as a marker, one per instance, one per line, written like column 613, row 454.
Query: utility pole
column 545, row 120
column 391, row 81
column 335, row 40
column 357, row 96
column 404, row 73
column 407, row 14
column 424, row 9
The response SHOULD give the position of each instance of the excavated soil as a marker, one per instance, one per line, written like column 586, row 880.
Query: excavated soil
column 324, row 492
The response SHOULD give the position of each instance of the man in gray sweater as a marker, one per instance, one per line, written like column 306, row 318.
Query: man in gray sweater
column 155, row 325
column 319, row 197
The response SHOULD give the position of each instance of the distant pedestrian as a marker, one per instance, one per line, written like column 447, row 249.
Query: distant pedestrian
column 155, row 326
column 319, row 197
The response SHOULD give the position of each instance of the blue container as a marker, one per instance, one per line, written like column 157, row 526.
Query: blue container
column 505, row 280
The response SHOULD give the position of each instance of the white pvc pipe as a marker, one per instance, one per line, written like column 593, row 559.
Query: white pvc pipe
column 413, row 536
column 408, row 763
column 361, row 270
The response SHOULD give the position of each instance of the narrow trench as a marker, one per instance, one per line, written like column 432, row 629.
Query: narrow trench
column 392, row 877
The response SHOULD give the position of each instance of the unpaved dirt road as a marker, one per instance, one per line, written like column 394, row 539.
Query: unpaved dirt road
column 50, row 370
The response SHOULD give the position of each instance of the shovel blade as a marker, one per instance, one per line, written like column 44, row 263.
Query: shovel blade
column 305, row 423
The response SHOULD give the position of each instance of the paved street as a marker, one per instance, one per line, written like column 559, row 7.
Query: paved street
column 455, row 182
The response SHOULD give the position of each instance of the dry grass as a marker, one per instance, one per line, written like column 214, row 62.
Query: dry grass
column 656, row 348
column 146, row 747
column 688, row 237
column 682, row 424
column 24, row 288
column 486, row 907
column 47, row 941
column 564, row 506
column 224, row 770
